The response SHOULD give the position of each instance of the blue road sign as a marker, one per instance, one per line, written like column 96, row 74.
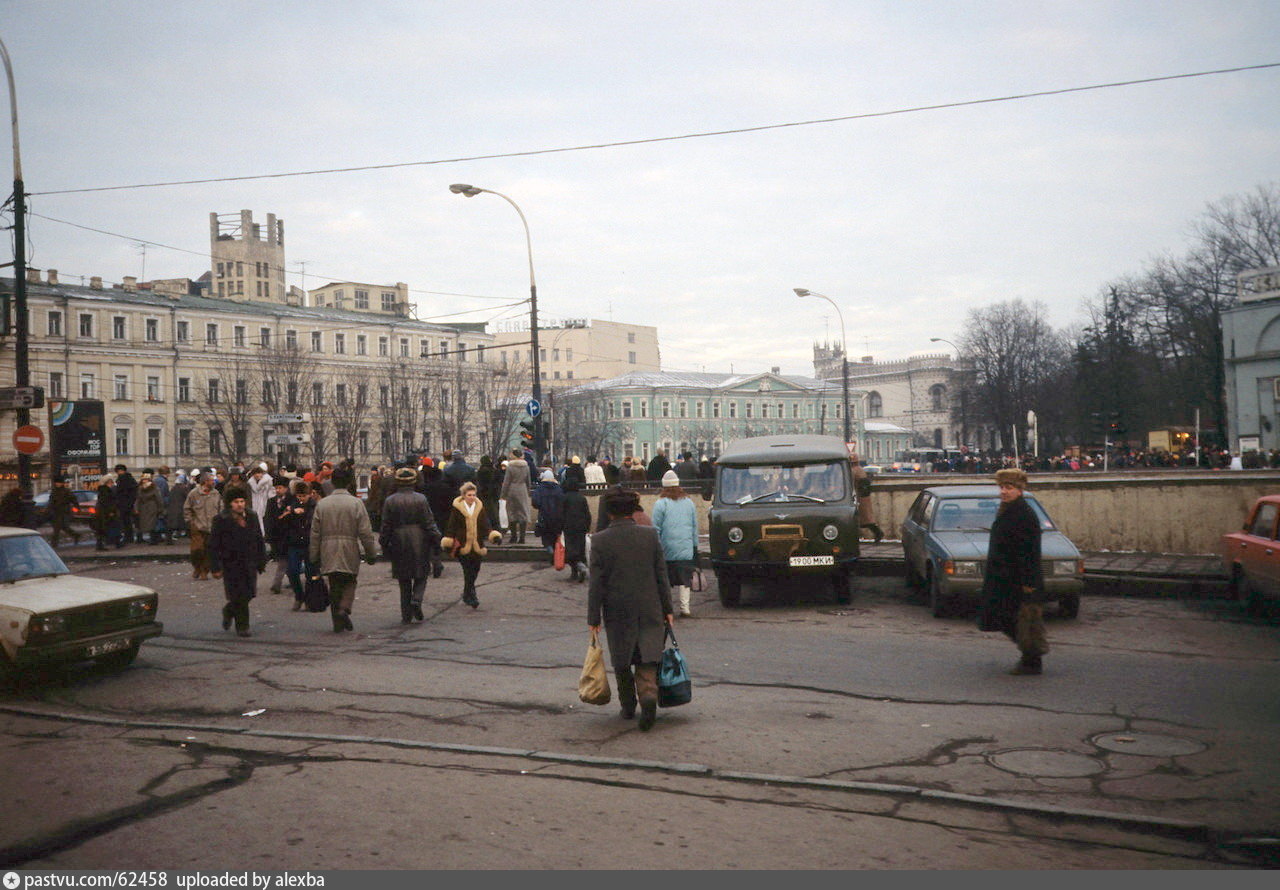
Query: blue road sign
column 534, row 407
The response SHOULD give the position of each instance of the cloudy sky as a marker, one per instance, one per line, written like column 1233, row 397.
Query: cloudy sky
column 907, row 221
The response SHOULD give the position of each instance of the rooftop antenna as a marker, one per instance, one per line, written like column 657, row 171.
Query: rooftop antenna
column 142, row 248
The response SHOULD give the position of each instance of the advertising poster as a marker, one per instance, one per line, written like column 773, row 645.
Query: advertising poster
column 77, row 440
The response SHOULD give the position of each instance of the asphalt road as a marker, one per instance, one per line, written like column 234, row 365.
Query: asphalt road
column 867, row 736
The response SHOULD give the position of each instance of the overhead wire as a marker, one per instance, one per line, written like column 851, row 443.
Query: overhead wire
column 915, row 109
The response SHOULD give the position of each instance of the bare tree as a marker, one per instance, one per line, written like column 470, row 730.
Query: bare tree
column 286, row 375
column 226, row 407
column 402, row 409
column 341, row 415
column 502, row 394
column 584, row 425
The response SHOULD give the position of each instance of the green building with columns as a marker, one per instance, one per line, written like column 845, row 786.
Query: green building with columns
column 639, row 414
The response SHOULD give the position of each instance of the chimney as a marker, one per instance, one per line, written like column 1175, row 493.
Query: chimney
column 775, row 370
column 52, row 275
column 95, row 282
column 33, row 276
column 130, row 282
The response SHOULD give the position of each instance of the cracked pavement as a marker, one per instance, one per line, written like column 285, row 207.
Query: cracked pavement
column 820, row 736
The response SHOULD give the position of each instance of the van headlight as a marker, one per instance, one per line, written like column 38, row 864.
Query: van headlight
column 830, row 532
column 967, row 568
column 735, row 535
column 1068, row 567
column 49, row 624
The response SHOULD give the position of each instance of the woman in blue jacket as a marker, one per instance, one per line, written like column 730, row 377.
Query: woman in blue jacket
column 676, row 519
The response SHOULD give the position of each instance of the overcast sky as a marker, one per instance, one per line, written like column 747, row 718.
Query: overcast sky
column 907, row 221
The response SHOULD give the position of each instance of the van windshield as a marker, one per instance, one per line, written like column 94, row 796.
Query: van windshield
column 771, row 484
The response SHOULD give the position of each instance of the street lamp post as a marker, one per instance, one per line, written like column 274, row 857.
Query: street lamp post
column 22, row 369
column 471, row 191
column 964, row 426
column 844, row 357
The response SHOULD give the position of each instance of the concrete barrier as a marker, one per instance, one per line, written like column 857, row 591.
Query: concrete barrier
column 1175, row 511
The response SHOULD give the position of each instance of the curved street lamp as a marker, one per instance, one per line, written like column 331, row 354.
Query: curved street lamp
column 471, row 191
column 844, row 357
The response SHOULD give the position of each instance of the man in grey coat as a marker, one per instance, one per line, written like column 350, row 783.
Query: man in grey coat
column 409, row 537
column 340, row 530
column 630, row 589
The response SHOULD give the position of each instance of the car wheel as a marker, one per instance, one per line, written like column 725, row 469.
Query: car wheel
column 939, row 602
column 1069, row 606
column 913, row 577
column 730, row 586
column 120, row 660
column 1237, row 586
column 842, row 584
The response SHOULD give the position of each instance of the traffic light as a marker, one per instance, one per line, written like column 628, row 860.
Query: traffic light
column 526, row 430
column 1114, row 426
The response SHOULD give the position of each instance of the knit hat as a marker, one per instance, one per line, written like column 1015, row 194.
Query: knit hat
column 406, row 476
column 547, row 476
column 1012, row 476
column 575, row 459
column 670, row 479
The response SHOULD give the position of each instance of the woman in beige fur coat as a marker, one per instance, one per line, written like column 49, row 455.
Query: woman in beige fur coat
column 466, row 532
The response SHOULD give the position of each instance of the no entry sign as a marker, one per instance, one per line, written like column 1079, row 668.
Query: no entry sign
column 28, row 439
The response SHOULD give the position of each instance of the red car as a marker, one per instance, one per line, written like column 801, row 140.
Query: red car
column 1251, row 556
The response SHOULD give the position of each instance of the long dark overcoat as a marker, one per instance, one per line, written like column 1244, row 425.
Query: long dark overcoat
column 630, row 590
column 409, row 533
column 1013, row 562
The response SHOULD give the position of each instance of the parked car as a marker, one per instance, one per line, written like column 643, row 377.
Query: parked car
column 944, row 545
column 48, row 614
column 82, row 512
column 1251, row 556
column 783, row 506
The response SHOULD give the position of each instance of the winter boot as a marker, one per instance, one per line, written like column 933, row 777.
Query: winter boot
column 1028, row 665
column 520, row 537
column 683, row 593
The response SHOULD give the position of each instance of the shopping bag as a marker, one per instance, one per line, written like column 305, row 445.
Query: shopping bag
column 674, row 686
column 503, row 522
column 593, row 685
column 315, row 594
column 557, row 558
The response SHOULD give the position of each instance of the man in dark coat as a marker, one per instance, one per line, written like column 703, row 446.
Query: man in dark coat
column 1013, row 585
column 238, row 551
column 488, row 482
column 126, row 494
column 687, row 471
column 630, row 591
column 459, row 471
column 275, row 525
column 410, row 537
column 62, row 506
column 657, row 467
column 577, row 522
column 548, row 500
column 440, row 494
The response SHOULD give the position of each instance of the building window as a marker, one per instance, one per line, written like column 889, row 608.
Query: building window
column 122, row 440
column 362, row 442
column 86, row 386
column 699, row 411
column 444, row 348
column 316, row 344
column 462, row 351
column 55, row 324
column 184, row 332
column 152, row 330
column 340, row 393
column 120, row 386
column 383, row 347
column 626, row 408
column 388, row 301
column 211, row 335
column 795, row 411
column 153, row 442
column 568, row 353
column 480, row 356
column 153, row 389
column 317, row 394
column 424, row 348
column 55, row 384
column 404, row 347
column 184, row 442
column 264, row 337
column 631, row 359
column 666, row 408
column 362, row 343
column 362, row 299
column 184, row 389
column 733, row 409
column 938, row 396
column 875, row 405
column 291, row 340
column 238, row 336
column 384, row 395
column 644, row 407
column 215, row 441
column 340, row 344
column 86, row 325
column 215, row 390
column 117, row 327
column 715, row 409
column 242, row 392
column 750, row 409
column 684, row 409
column 631, row 337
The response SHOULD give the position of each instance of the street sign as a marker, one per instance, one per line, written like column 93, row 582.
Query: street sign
column 304, row 417
column 28, row 439
column 12, row 397
column 289, row 439
column 534, row 407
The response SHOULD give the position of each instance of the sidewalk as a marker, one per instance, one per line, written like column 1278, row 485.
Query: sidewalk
column 1196, row 570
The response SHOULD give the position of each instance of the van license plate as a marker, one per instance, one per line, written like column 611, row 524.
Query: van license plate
column 798, row 561
column 105, row 648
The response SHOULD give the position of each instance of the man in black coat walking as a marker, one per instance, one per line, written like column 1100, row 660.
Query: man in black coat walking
column 1013, row 585
column 440, row 494
column 410, row 537
column 126, row 497
column 239, row 552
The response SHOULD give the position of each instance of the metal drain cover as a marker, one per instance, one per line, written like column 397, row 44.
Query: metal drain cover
column 1046, row 763
column 1147, row 744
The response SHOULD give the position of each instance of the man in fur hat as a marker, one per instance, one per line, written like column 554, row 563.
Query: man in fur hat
column 409, row 536
column 1013, row 585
